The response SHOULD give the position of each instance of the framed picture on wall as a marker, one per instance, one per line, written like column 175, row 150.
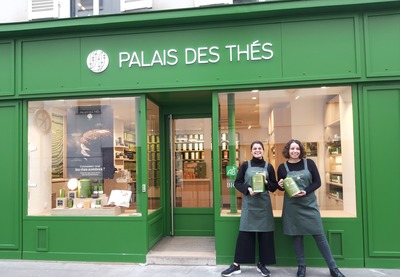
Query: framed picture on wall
column 311, row 149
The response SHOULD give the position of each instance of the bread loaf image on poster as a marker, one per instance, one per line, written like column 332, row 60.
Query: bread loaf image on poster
column 94, row 140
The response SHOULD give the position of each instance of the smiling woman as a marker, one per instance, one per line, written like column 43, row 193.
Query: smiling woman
column 320, row 117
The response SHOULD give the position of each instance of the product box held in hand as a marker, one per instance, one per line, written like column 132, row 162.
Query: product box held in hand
column 257, row 182
column 290, row 186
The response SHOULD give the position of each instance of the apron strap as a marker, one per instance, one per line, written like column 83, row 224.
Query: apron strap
column 286, row 167
column 305, row 164
column 249, row 164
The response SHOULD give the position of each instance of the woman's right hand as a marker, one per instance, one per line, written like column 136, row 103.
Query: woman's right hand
column 280, row 183
column 251, row 192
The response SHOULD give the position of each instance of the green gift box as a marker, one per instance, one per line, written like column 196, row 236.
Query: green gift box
column 257, row 182
column 290, row 186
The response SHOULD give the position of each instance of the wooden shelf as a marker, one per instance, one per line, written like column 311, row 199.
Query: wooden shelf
column 333, row 154
column 335, row 198
column 335, row 184
column 122, row 147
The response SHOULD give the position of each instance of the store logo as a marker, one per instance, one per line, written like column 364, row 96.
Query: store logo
column 231, row 171
column 97, row 61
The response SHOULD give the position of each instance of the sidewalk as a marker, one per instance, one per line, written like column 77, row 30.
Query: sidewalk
column 24, row 268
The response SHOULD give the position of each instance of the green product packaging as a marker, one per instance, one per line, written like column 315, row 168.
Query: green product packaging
column 290, row 186
column 257, row 182
column 85, row 188
column 70, row 203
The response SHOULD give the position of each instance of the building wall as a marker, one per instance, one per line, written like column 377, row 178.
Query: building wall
column 49, row 60
column 16, row 11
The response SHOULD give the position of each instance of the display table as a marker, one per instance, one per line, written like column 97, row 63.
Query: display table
column 106, row 211
column 85, row 206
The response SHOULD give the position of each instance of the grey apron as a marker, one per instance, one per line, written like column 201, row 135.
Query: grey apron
column 301, row 215
column 256, row 210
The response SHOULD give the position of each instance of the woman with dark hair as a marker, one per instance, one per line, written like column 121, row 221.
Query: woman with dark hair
column 256, row 216
column 300, row 215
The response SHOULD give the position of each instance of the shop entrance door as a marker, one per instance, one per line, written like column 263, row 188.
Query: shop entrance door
column 191, row 192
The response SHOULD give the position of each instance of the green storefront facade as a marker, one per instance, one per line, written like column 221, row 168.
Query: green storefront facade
column 180, row 60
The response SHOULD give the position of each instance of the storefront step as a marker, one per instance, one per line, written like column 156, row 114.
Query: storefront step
column 183, row 251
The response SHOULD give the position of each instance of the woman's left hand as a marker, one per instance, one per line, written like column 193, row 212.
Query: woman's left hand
column 302, row 193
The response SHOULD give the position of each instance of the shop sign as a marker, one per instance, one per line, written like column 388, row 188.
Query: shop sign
column 98, row 60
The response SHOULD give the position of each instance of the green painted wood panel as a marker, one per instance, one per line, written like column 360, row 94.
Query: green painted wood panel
column 382, row 44
column 199, row 56
column 10, row 172
column 156, row 228
column 6, row 68
column 49, row 65
column 194, row 222
column 85, row 239
column 381, row 136
column 321, row 48
column 343, row 234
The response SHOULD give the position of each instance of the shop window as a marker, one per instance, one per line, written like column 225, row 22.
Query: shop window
column 94, row 7
column 153, row 152
column 321, row 118
column 82, row 157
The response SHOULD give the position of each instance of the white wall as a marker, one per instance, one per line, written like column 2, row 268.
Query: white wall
column 347, row 138
column 17, row 10
column 13, row 11
column 39, row 171
column 172, row 4
column 308, row 126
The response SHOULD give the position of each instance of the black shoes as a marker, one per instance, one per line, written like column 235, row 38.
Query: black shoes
column 301, row 271
column 336, row 272
column 263, row 270
column 233, row 269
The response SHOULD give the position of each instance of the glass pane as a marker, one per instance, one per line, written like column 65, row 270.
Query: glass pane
column 319, row 117
column 153, row 140
column 193, row 168
column 82, row 157
column 94, row 7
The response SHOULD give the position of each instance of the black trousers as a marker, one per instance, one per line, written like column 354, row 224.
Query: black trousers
column 245, row 252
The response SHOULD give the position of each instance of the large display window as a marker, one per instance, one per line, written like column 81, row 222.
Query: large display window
column 321, row 118
column 82, row 158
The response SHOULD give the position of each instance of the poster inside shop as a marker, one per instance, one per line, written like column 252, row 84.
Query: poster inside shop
column 90, row 142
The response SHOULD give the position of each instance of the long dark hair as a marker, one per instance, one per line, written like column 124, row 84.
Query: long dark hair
column 285, row 151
